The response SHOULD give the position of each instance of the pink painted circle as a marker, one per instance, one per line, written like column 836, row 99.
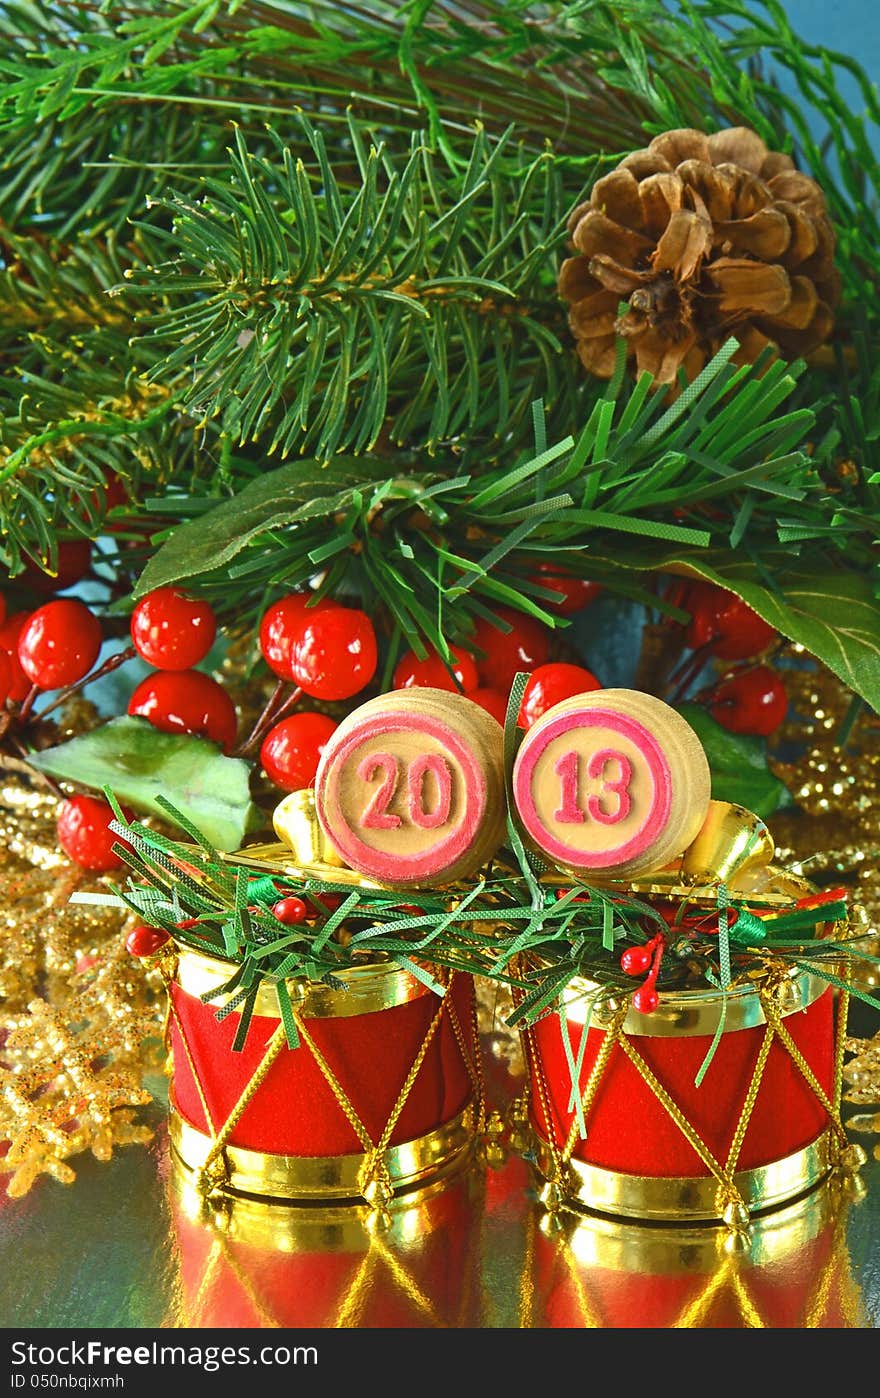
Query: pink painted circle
column 593, row 788
column 401, row 796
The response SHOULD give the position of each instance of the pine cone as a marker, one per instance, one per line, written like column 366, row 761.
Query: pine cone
column 704, row 237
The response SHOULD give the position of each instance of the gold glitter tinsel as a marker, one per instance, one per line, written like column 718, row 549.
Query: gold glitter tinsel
column 78, row 1013
column 832, row 833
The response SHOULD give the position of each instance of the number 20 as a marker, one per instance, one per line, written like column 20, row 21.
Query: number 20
column 376, row 815
column 567, row 769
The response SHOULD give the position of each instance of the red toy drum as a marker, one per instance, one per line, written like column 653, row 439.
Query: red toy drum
column 637, row 1138
column 382, row 1094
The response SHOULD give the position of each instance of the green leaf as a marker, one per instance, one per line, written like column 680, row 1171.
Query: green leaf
column 140, row 765
column 826, row 607
column 738, row 765
column 833, row 614
column 297, row 491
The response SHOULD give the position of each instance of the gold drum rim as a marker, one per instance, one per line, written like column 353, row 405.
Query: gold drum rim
column 367, row 989
column 690, row 1199
column 695, row 1012
column 427, row 1158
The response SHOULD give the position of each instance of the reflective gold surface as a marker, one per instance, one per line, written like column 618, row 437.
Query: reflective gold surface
column 131, row 1244
column 439, row 1153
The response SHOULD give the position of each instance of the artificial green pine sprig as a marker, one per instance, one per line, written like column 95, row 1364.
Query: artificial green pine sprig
column 537, row 934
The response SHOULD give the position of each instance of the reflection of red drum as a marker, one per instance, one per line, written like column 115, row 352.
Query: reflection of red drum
column 263, row 1264
column 648, row 1138
column 792, row 1272
column 385, row 1076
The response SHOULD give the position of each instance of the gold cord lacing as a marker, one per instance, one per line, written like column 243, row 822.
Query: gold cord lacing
column 730, row 1204
column 374, row 1180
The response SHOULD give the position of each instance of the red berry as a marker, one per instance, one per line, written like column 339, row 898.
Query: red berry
column 290, row 910
column 172, row 630
column 753, row 701
column 635, row 961
column 280, row 626
column 574, row 592
column 492, row 700
column 6, row 677
column 549, row 684
column 60, row 643
column 84, row 833
column 186, row 701
column 410, row 672
column 9, row 633
column 145, row 941
column 334, row 655
column 646, row 1000
column 524, row 647
column 292, row 749
column 723, row 622
column 74, row 561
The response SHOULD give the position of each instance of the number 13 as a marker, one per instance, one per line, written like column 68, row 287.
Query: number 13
column 567, row 768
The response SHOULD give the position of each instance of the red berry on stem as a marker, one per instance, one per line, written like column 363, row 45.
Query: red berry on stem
column 171, row 630
column 723, row 622
column 646, row 999
column 20, row 685
column 74, row 561
column 59, row 644
column 186, row 701
column 145, row 941
column 281, row 624
column 524, row 647
column 752, row 701
column 574, row 592
column 492, row 700
column 334, row 655
column 6, row 677
column 84, row 833
column 412, row 673
column 548, row 685
column 290, row 911
column 635, row 961
column 292, row 749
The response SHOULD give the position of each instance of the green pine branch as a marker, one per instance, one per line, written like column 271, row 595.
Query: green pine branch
column 113, row 112
column 315, row 309
column 646, row 486
column 73, row 405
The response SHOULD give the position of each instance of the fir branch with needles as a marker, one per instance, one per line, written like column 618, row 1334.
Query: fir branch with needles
column 315, row 310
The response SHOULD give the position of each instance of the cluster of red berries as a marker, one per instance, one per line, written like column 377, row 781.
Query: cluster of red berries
column 520, row 642
column 174, row 632
column 750, row 698
column 329, row 652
